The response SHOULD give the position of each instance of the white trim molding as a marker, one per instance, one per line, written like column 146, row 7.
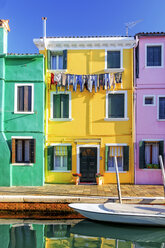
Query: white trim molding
column 22, row 137
column 149, row 96
column 15, row 99
column 121, row 69
column 80, row 43
column 159, row 96
column 125, row 106
column 51, row 106
column 78, row 156
column 162, row 54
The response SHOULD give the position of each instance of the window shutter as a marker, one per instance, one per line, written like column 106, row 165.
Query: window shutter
column 64, row 105
column 48, row 59
column 65, row 59
column 106, row 157
column 161, row 149
column 26, row 98
column 116, row 106
column 32, row 151
column 50, row 157
column 56, row 106
column 126, row 158
column 13, row 151
column 137, row 61
column 141, row 154
column 69, row 165
column 20, row 98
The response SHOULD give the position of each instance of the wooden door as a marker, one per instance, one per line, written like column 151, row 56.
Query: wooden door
column 88, row 164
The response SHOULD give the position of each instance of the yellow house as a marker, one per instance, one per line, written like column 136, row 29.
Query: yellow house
column 89, row 108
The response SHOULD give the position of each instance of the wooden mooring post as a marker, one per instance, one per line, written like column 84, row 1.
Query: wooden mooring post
column 163, row 173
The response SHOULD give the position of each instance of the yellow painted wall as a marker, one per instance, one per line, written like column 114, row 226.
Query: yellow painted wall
column 88, row 113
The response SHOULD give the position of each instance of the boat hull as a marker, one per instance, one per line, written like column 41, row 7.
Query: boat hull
column 99, row 213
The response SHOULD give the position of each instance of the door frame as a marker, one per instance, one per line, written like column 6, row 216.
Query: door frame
column 78, row 156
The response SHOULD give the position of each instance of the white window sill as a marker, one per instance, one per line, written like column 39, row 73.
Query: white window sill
column 116, row 119
column 154, row 67
column 160, row 119
column 113, row 70
column 148, row 169
column 115, row 172
column 68, row 171
column 29, row 113
column 57, row 70
column 22, row 164
column 60, row 119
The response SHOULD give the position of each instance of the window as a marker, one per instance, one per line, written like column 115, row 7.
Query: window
column 57, row 60
column 113, row 59
column 116, row 105
column 23, row 151
column 122, row 154
column 59, row 158
column 161, row 107
column 149, row 152
column 61, row 106
column 154, row 55
column 23, row 98
column 149, row 100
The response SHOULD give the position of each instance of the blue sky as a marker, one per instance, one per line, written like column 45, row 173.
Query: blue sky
column 78, row 17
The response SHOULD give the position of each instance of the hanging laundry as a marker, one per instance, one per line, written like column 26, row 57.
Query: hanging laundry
column 109, row 81
column 80, row 82
column 98, row 84
column 63, row 80
column 101, row 81
column 112, row 81
column 90, row 83
column 75, row 83
column 105, row 81
column 95, row 82
column 57, row 78
column 52, row 80
column 118, row 77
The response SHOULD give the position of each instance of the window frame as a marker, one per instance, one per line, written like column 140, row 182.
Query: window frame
column 125, row 106
column 120, row 69
column 162, row 54
column 22, row 138
column 159, row 96
column 59, row 144
column 116, row 145
column 51, row 106
column 16, row 96
column 149, row 105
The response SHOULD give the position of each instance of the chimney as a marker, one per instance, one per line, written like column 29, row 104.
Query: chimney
column 44, row 30
column 4, row 29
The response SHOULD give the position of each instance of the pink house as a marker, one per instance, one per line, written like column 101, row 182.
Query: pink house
column 149, row 103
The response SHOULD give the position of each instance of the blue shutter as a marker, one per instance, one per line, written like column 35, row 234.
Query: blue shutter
column 126, row 158
column 69, row 165
column 65, row 59
column 50, row 157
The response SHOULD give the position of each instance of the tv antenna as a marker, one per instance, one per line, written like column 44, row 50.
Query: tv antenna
column 130, row 25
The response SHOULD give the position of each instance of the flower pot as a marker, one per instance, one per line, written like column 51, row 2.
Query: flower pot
column 77, row 180
column 99, row 180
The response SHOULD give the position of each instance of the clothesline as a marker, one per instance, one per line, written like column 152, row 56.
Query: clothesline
column 106, row 81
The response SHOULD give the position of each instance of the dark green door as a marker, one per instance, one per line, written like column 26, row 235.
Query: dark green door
column 88, row 164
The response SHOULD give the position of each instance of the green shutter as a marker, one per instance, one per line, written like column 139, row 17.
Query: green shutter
column 116, row 106
column 48, row 59
column 161, row 149
column 56, row 106
column 50, row 157
column 64, row 105
column 65, row 59
column 69, row 165
column 141, row 154
column 106, row 157
column 126, row 158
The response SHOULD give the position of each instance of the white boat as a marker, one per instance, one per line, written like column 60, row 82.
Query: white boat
column 137, row 214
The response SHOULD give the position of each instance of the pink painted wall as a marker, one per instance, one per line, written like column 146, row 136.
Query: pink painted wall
column 151, row 81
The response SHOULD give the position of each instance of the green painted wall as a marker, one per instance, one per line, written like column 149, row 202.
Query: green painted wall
column 3, row 40
column 4, row 236
column 15, row 69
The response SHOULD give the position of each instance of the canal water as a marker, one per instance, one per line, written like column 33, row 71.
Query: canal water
column 78, row 234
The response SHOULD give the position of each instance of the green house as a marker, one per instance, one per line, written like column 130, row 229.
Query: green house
column 21, row 116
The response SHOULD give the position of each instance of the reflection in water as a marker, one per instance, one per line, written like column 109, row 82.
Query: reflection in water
column 83, row 234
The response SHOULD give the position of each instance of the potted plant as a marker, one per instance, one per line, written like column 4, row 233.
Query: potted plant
column 99, row 178
column 76, row 177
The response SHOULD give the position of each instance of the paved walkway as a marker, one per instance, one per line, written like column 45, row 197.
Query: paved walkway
column 107, row 190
